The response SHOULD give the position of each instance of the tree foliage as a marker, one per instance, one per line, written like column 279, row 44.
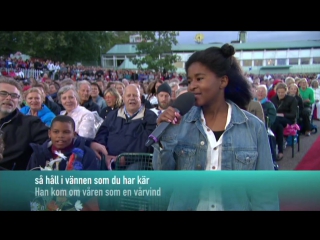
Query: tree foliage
column 155, row 50
column 66, row 46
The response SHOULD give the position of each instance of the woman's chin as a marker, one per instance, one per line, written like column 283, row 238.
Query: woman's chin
column 35, row 109
column 69, row 109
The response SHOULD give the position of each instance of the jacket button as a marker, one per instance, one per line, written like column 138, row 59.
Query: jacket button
column 202, row 143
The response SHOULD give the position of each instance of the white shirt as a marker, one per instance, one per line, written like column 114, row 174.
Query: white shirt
column 210, row 199
column 316, row 93
column 50, row 67
column 214, row 146
column 153, row 100
column 20, row 74
column 56, row 68
column 84, row 120
column 267, row 77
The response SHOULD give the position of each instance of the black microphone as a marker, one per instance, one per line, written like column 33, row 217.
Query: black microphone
column 182, row 105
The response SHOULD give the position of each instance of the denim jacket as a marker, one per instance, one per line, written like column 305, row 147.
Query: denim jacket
column 245, row 146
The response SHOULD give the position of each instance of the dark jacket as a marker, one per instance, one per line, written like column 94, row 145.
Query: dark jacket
column 54, row 97
column 42, row 153
column 121, row 135
column 54, row 107
column 269, row 111
column 91, row 106
column 300, row 104
column 287, row 106
column 19, row 131
column 105, row 111
column 146, row 102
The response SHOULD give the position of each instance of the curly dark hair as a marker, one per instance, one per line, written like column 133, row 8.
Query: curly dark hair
column 222, row 62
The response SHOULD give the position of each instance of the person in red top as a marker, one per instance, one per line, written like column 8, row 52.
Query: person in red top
column 12, row 74
column 272, row 92
column 4, row 72
column 26, row 85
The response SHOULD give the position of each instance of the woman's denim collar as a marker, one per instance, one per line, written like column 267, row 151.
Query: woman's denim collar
column 237, row 115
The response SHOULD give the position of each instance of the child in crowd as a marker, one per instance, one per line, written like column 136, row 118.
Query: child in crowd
column 64, row 150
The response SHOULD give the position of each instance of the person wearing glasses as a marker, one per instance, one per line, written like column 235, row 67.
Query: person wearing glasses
column 18, row 130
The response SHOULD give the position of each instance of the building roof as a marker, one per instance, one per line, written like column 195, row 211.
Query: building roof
column 129, row 48
column 122, row 49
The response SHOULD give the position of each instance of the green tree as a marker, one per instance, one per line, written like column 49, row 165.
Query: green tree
column 155, row 50
column 8, row 42
column 63, row 46
column 112, row 38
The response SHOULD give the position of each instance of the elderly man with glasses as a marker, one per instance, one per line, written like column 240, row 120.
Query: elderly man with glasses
column 18, row 130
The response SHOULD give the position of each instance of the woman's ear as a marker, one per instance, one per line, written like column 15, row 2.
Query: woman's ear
column 224, row 82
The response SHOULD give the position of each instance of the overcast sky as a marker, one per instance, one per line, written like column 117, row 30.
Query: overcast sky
column 227, row 37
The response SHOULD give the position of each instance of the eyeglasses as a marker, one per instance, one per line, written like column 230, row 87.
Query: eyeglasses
column 12, row 95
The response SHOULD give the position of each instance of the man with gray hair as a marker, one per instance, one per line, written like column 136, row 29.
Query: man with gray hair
column 84, row 91
column 18, row 130
column 126, row 129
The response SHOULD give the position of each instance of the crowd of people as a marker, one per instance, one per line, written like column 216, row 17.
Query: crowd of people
column 105, row 113
column 97, row 92
column 88, row 104
column 292, row 101
column 36, row 68
column 19, row 69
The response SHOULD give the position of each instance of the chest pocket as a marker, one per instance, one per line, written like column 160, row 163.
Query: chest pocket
column 245, row 160
column 185, row 157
